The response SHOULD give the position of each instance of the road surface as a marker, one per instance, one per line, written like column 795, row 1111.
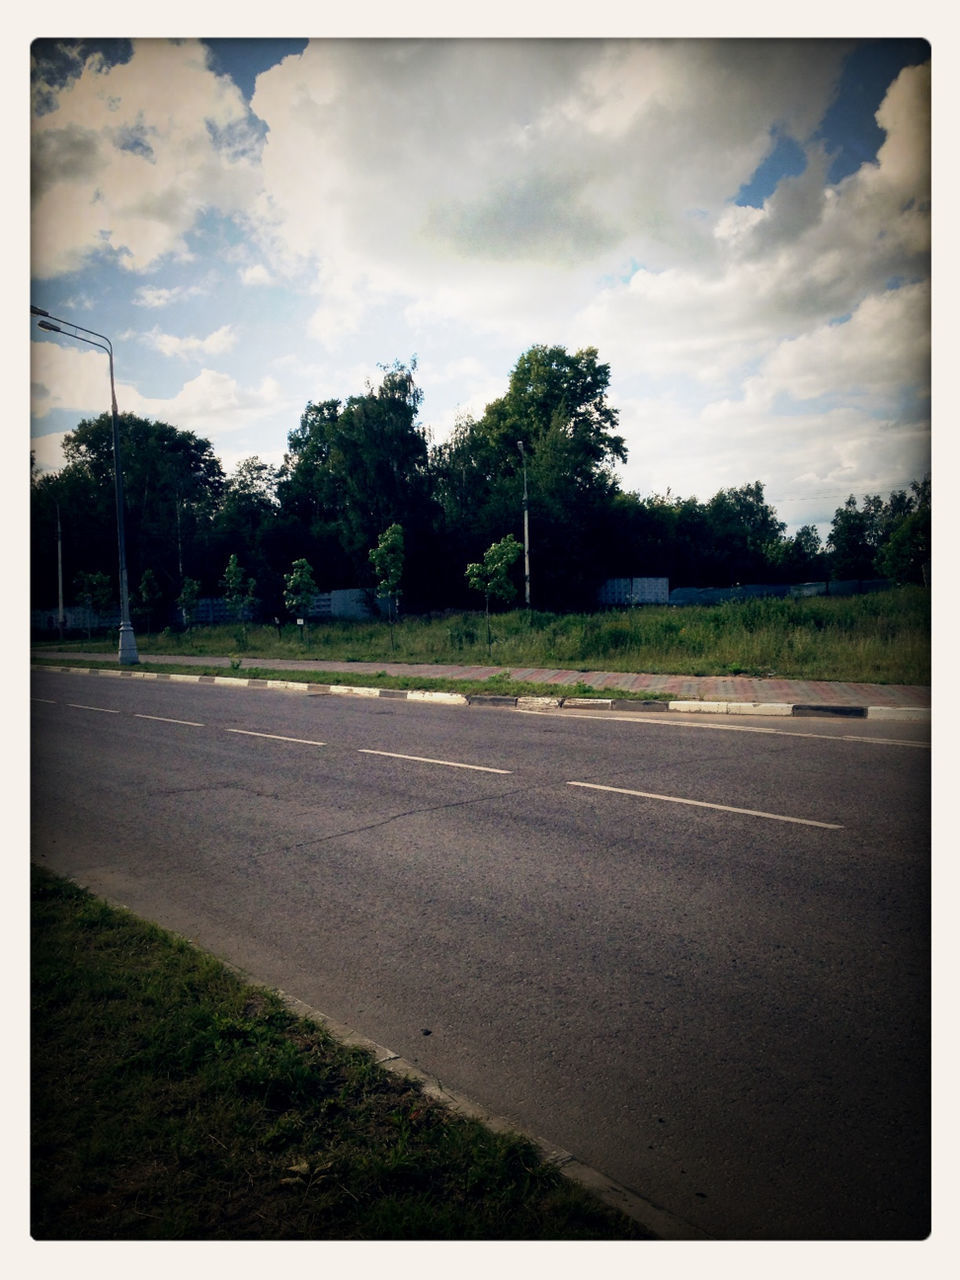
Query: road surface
column 694, row 954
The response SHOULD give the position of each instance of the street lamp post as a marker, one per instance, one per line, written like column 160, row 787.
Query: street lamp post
column 127, row 651
column 526, row 528
column 59, row 578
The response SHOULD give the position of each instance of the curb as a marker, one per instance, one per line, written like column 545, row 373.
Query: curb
column 662, row 1224
column 522, row 702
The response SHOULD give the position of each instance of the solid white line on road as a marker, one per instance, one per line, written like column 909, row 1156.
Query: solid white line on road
column 138, row 715
column 887, row 742
column 278, row 737
column 680, row 721
column 451, row 764
column 49, row 701
column 82, row 707
column 704, row 804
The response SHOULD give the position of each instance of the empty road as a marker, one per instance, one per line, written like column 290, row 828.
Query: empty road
column 693, row 953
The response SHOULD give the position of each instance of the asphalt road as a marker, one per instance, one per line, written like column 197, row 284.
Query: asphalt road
column 694, row 954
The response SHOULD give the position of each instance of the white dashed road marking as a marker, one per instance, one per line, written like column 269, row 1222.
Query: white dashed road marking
column 451, row 764
column 277, row 737
column 704, row 804
column 138, row 715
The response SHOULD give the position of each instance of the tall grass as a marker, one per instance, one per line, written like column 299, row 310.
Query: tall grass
column 882, row 638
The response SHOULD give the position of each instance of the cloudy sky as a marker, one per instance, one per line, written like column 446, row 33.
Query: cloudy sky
column 741, row 228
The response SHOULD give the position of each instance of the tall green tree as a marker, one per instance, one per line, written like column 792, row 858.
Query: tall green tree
column 247, row 523
column 557, row 407
column 744, row 536
column 856, row 535
column 85, row 542
column 906, row 552
column 354, row 468
column 172, row 486
column 802, row 558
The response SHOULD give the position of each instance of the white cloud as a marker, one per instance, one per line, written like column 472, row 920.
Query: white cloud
column 153, row 297
column 812, row 255
column 256, row 275
column 68, row 378
column 48, row 451
column 216, row 343
column 214, row 404
column 426, row 164
column 882, row 351
column 136, row 152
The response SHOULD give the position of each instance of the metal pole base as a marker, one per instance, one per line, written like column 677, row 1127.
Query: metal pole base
column 127, row 654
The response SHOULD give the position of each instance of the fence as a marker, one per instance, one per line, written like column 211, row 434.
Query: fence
column 211, row 611
column 755, row 591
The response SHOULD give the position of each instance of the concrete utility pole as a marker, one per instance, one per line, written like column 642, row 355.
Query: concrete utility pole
column 127, row 650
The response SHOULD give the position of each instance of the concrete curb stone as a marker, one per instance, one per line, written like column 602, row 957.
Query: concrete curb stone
column 898, row 713
column 521, row 703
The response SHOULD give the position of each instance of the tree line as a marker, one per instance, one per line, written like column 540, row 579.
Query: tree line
column 356, row 468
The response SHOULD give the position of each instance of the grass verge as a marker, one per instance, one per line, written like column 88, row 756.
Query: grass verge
column 495, row 685
column 881, row 638
column 173, row 1101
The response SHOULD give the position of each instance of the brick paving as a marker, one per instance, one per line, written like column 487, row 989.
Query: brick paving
column 703, row 688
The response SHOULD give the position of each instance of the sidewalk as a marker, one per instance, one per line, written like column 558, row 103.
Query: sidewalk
column 814, row 693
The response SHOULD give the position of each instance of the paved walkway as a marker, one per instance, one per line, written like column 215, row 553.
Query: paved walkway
column 704, row 688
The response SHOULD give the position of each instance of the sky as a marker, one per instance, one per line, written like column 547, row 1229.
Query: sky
column 740, row 227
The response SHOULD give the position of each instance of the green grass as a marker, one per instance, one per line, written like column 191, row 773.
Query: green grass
column 881, row 638
column 173, row 1101
column 494, row 686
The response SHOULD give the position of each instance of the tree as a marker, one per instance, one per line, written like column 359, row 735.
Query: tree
column 148, row 595
column 299, row 590
column 172, row 486
column 187, row 600
column 556, row 406
column 906, row 557
column 355, row 468
column 94, row 592
column 247, row 522
column 88, row 544
column 553, row 391
column 491, row 576
column 238, row 589
column 387, row 560
column 890, row 538
column 801, row 558
column 744, row 536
